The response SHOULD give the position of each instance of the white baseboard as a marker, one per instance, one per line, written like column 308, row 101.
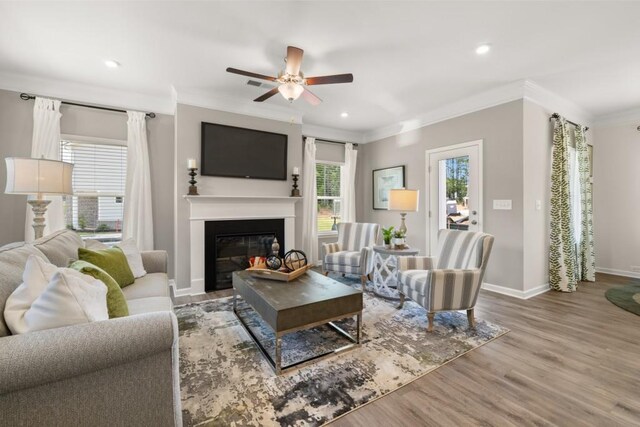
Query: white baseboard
column 179, row 292
column 616, row 272
column 516, row 293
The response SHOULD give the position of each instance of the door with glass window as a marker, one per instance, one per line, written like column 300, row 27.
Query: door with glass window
column 454, row 182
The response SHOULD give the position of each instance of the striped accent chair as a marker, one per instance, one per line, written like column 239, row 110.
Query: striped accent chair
column 452, row 280
column 353, row 253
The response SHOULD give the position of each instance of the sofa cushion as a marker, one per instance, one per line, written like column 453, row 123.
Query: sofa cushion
column 116, row 302
column 60, row 247
column 131, row 251
column 343, row 258
column 52, row 297
column 111, row 260
column 13, row 258
column 151, row 285
column 149, row 305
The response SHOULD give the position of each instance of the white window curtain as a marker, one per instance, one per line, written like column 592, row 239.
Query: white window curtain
column 348, row 182
column 46, row 144
column 138, row 216
column 309, row 201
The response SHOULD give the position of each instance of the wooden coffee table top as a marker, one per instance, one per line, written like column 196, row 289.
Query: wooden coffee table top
column 310, row 299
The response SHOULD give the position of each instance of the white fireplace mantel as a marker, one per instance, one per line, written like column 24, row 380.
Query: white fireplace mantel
column 226, row 208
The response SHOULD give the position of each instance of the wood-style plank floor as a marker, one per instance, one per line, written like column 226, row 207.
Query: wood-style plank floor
column 570, row 359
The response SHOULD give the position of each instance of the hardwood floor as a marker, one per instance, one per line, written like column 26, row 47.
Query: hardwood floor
column 570, row 359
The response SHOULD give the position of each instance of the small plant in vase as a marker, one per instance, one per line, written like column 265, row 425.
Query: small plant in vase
column 387, row 235
column 398, row 239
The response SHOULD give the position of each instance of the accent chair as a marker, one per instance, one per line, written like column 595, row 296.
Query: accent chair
column 450, row 281
column 353, row 252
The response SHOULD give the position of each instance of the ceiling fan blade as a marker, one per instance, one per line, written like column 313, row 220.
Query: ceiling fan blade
column 325, row 80
column 310, row 97
column 294, row 60
column 250, row 74
column 266, row 95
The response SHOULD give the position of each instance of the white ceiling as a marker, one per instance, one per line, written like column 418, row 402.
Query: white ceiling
column 407, row 58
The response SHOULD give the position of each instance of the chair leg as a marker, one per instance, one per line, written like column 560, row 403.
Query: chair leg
column 326, row 273
column 471, row 318
column 370, row 278
column 401, row 301
column 343, row 274
column 363, row 279
column 430, row 318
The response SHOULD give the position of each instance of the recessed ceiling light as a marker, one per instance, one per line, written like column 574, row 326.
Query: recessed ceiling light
column 111, row 63
column 482, row 49
column 344, row 115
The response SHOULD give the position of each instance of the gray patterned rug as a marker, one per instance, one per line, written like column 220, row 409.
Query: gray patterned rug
column 226, row 381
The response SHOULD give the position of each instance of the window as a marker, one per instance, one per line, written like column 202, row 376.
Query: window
column 329, row 198
column 96, row 208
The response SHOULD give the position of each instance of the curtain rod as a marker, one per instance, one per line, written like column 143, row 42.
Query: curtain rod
column 557, row 116
column 26, row 97
column 329, row 140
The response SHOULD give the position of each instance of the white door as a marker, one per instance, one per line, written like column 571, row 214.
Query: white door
column 454, row 183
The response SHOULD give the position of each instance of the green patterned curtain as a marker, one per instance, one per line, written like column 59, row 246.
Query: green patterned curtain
column 562, row 252
column 586, row 254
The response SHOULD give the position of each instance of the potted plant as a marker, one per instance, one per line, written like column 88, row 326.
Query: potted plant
column 398, row 238
column 387, row 235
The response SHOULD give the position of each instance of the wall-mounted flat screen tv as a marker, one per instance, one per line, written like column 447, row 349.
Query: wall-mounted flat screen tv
column 242, row 153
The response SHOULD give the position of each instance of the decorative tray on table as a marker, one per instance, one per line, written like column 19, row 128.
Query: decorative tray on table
column 293, row 265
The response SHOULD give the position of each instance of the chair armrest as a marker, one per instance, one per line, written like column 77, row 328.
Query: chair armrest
column 415, row 263
column 464, row 282
column 366, row 260
column 37, row 358
column 329, row 248
column 155, row 261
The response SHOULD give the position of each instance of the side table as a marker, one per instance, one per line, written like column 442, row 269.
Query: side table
column 385, row 264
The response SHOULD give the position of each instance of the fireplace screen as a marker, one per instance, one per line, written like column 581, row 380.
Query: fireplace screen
column 230, row 244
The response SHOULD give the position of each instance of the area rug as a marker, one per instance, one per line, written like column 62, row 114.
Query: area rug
column 226, row 381
column 626, row 297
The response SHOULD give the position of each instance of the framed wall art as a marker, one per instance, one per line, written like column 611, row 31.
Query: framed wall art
column 384, row 180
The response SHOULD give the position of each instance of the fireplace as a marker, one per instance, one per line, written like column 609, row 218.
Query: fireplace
column 228, row 246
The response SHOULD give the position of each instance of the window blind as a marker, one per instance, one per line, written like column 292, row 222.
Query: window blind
column 328, row 193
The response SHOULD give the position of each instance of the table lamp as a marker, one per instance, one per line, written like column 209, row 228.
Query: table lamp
column 404, row 201
column 38, row 177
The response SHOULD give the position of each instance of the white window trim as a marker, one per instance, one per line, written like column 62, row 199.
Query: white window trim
column 329, row 233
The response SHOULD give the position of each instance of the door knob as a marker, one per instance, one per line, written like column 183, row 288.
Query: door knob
column 474, row 212
column 474, row 222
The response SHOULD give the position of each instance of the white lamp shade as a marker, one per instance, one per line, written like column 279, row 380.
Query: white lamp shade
column 38, row 176
column 404, row 200
column 291, row 91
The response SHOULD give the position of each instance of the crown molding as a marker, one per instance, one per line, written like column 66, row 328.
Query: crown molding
column 491, row 98
column 89, row 94
column 555, row 103
column 239, row 106
column 322, row 132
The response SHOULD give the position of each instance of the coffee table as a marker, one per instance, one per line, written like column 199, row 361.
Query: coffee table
column 306, row 302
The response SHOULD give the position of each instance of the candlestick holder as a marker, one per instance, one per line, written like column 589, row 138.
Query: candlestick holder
column 193, row 190
column 295, row 192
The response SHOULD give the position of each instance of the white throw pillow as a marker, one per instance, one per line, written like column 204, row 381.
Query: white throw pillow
column 131, row 251
column 52, row 297
column 94, row 244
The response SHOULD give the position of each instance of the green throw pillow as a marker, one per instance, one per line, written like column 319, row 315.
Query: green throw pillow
column 111, row 260
column 116, row 302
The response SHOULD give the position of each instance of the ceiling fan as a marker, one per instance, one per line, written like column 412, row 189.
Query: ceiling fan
column 292, row 82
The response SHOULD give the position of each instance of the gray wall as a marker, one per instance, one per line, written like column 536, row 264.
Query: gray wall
column 16, row 128
column 616, row 180
column 501, row 129
column 188, row 120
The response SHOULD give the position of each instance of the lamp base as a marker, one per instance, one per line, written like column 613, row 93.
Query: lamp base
column 39, row 208
column 403, row 226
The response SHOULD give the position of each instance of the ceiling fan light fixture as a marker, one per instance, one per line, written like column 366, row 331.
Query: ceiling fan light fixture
column 290, row 91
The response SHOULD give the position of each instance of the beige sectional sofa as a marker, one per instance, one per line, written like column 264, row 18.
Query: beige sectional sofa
column 111, row 373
